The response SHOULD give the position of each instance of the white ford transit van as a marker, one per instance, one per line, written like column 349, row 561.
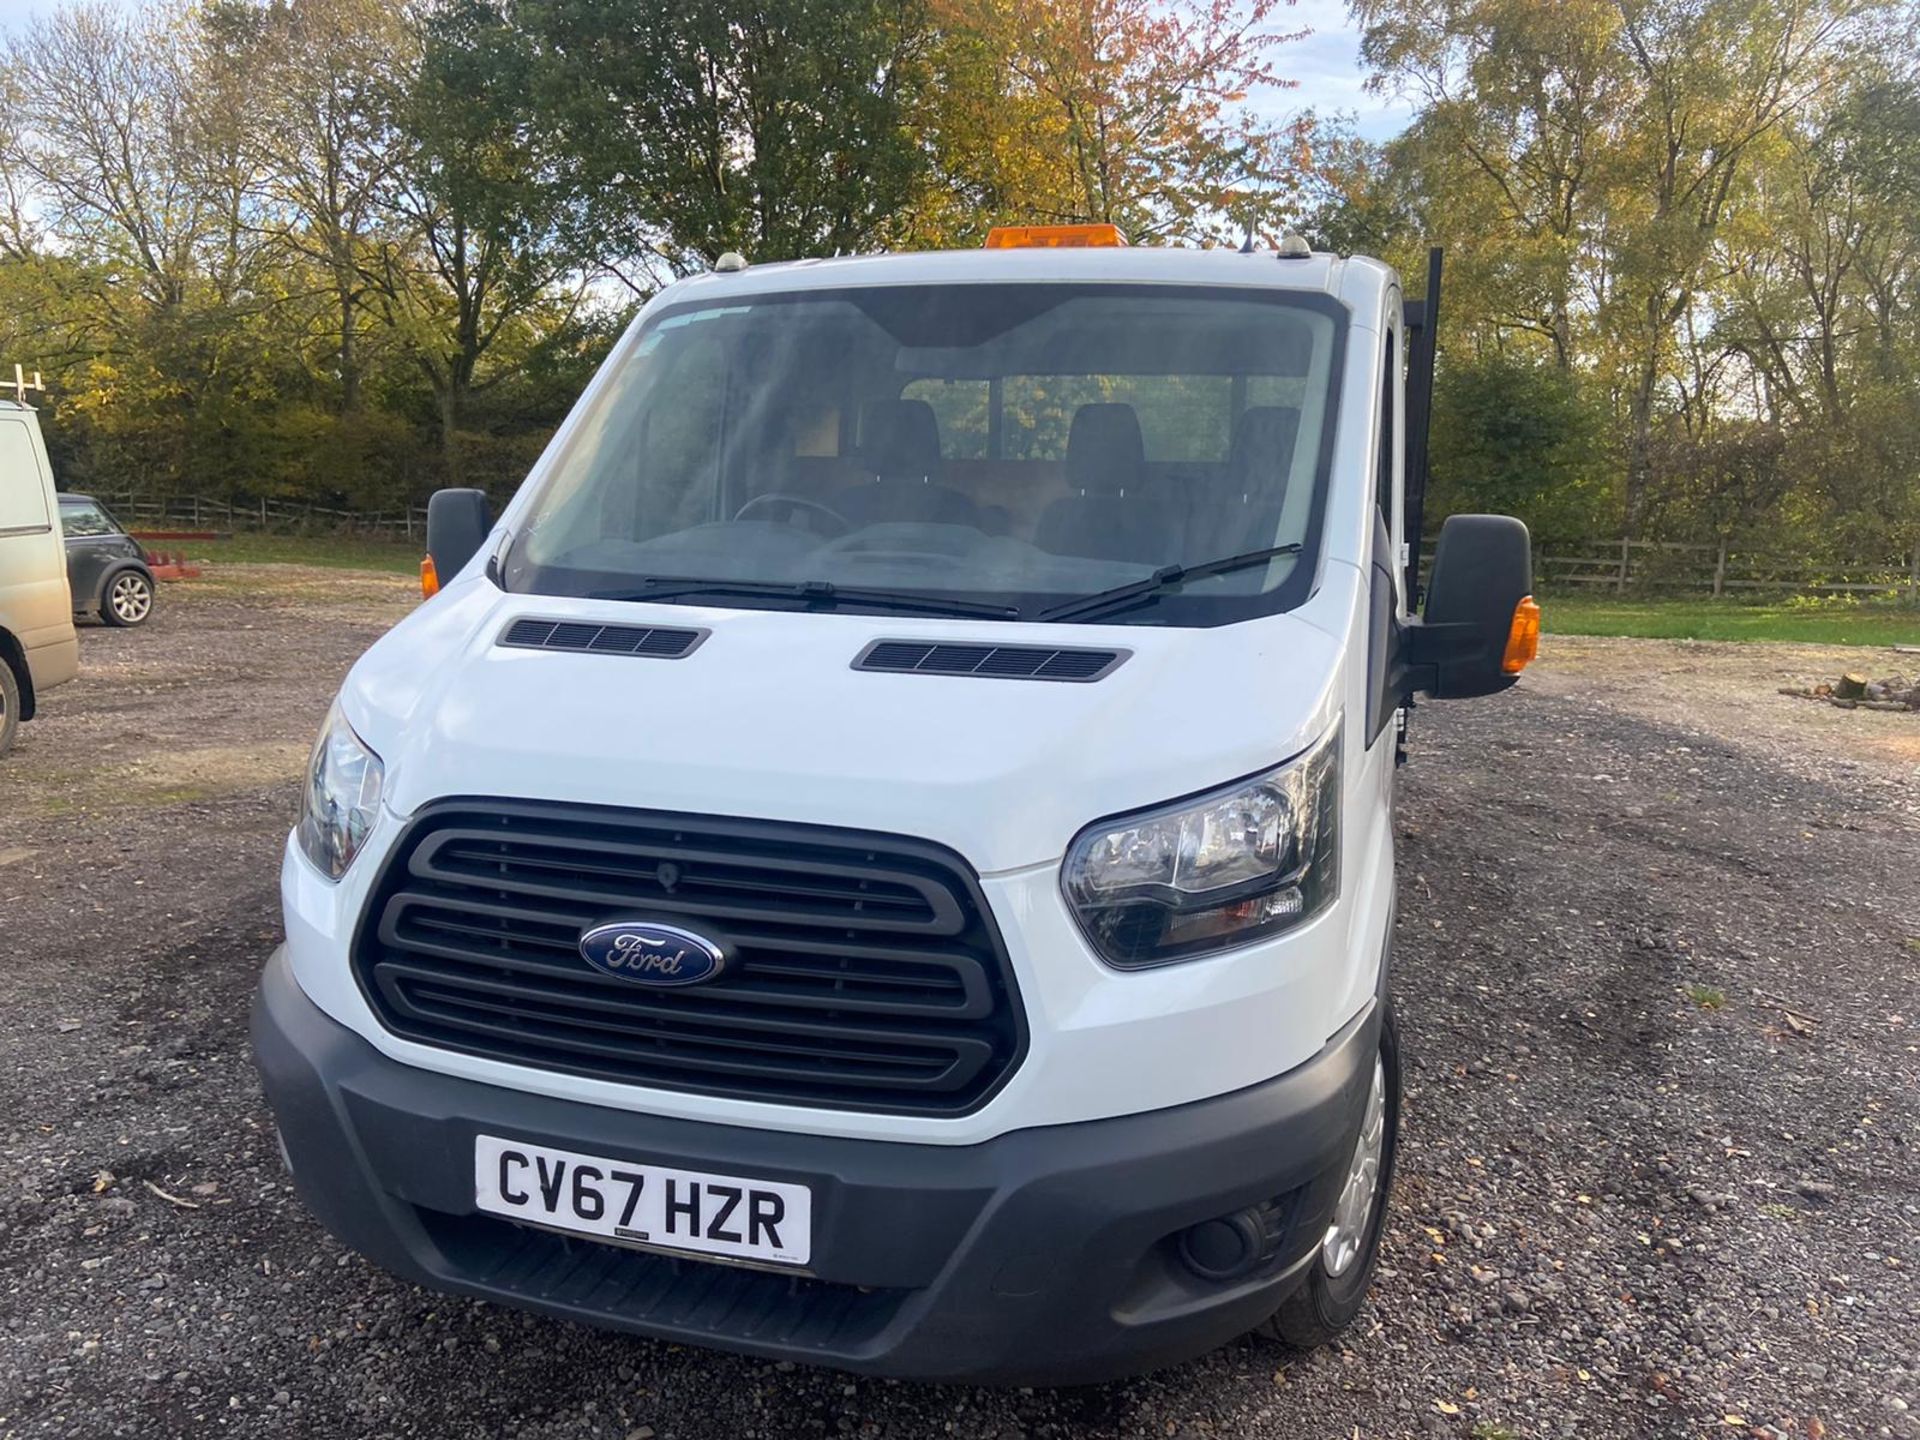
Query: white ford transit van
column 882, row 856
column 38, row 647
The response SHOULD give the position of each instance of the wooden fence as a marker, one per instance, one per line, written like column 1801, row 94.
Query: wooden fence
column 1621, row 566
column 1627, row 565
column 198, row 513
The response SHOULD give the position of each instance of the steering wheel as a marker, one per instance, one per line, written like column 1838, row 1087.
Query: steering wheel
column 794, row 505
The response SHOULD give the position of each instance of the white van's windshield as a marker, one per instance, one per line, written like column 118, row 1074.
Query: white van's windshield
column 1000, row 449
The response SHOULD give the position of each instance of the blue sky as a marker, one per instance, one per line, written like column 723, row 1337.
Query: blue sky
column 1327, row 64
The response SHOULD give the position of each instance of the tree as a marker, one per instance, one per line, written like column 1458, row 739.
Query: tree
column 777, row 128
column 1129, row 112
column 1514, row 434
column 1712, row 80
column 104, row 129
column 495, row 246
column 1519, row 100
column 327, row 81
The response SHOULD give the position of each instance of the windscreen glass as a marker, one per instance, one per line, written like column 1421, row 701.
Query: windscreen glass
column 1023, row 445
column 78, row 518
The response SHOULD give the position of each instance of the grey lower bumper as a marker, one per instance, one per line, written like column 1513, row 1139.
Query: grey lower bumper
column 1045, row 1256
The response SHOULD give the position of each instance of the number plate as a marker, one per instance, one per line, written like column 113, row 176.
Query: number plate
column 760, row 1220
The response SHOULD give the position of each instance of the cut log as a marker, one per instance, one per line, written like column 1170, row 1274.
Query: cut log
column 1850, row 687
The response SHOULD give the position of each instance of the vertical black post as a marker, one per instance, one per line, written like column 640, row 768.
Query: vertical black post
column 1423, row 326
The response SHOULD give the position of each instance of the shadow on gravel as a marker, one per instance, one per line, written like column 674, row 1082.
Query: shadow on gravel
column 1622, row 1211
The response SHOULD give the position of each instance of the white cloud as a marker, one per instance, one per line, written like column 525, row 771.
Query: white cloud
column 1327, row 66
column 15, row 13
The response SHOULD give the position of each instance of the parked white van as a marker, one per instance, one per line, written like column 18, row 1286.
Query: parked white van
column 883, row 855
column 38, row 647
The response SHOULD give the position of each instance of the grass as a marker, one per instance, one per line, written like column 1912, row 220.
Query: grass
column 1707, row 997
column 1808, row 621
column 331, row 551
column 1814, row 622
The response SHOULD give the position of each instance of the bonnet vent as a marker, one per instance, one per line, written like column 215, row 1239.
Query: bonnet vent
column 659, row 642
column 999, row 662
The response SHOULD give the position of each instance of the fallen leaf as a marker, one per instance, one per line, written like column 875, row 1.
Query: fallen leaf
column 101, row 1180
column 1584, row 1374
column 1446, row 1407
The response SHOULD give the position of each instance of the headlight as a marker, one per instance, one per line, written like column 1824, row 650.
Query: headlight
column 1211, row 873
column 341, row 799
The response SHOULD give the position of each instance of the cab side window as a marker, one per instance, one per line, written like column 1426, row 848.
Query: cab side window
column 1383, row 480
column 23, row 496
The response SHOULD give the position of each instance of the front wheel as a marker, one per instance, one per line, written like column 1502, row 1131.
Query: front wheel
column 9, row 706
column 1343, row 1265
column 129, row 599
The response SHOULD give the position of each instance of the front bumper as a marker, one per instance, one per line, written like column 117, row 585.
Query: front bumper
column 1044, row 1256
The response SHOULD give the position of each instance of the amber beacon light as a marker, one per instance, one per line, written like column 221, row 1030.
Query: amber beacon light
column 1523, row 637
column 1054, row 237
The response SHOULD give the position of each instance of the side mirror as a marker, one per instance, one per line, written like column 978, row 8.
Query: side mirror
column 1481, row 627
column 457, row 525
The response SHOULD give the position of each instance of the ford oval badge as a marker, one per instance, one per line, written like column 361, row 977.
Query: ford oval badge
column 652, row 954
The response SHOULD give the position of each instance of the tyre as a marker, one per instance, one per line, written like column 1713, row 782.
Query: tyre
column 1343, row 1265
column 128, row 598
column 9, row 707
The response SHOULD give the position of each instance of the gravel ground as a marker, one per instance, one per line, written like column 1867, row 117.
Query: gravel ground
column 1659, row 935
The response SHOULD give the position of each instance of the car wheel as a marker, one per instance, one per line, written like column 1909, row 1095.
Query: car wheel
column 1343, row 1264
column 9, row 707
column 128, row 600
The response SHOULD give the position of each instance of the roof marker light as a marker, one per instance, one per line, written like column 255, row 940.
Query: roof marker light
column 1294, row 247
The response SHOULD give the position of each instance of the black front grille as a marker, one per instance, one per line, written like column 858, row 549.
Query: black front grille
column 633, row 1287
column 866, row 972
column 1000, row 662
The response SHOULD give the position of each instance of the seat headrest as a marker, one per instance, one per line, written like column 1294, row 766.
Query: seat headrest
column 1263, row 441
column 900, row 439
column 1104, row 450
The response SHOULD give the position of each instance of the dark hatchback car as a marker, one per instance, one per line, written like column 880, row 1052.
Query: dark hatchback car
column 106, row 568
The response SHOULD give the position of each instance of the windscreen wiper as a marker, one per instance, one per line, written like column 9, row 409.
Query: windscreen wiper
column 1171, row 577
column 811, row 592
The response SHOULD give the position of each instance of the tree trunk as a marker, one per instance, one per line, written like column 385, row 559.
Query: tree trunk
column 449, row 397
column 349, row 358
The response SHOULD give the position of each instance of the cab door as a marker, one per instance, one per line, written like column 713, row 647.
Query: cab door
column 94, row 545
column 1386, row 582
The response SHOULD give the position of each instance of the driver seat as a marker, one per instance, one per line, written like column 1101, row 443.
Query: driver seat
column 900, row 444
